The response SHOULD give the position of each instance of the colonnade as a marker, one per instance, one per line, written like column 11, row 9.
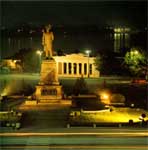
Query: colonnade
column 68, row 68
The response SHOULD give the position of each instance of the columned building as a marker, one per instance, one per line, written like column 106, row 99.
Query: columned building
column 76, row 65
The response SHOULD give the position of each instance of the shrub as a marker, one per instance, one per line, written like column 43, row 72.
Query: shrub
column 117, row 98
column 80, row 87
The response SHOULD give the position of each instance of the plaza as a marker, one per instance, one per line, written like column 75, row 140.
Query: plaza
column 73, row 75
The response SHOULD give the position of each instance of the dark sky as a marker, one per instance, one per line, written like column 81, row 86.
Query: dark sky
column 132, row 13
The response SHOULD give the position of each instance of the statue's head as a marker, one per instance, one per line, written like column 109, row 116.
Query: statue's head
column 48, row 27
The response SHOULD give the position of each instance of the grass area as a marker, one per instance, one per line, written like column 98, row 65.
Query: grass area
column 117, row 115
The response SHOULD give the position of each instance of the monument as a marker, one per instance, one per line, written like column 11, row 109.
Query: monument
column 48, row 89
column 47, row 40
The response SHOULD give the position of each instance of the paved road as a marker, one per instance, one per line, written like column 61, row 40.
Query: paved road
column 73, row 142
column 77, row 131
column 75, row 147
column 77, row 138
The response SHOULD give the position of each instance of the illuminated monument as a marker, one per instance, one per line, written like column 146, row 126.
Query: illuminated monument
column 49, row 89
column 47, row 40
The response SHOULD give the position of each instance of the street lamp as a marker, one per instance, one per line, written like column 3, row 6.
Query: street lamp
column 39, row 53
column 88, row 54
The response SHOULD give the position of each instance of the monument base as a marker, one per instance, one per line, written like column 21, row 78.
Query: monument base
column 48, row 93
column 49, row 89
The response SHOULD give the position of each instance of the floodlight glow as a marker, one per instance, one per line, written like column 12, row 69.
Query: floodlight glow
column 4, row 93
column 136, row 52
column 39, row 52
column 105, row 96
column 88, row 51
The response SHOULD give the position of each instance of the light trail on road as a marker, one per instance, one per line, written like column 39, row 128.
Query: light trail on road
column 75, row 140
column 77, row 134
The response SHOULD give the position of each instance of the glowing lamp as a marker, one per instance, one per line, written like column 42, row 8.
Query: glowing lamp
column 38, row 52
column 105, row 97
column 88, row 52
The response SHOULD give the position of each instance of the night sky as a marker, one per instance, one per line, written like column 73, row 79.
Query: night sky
column 115, row 13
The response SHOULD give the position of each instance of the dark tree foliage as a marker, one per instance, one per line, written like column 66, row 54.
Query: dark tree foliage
column 60, row 52
column 29, row 59
column 31, row 62
column 80, row 87
column 110, row 64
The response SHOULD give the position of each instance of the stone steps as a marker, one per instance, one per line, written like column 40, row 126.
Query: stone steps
column 56, row 116
column 51, row 101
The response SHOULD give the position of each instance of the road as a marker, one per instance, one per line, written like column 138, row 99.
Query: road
column 74, row 147
column 77, row 139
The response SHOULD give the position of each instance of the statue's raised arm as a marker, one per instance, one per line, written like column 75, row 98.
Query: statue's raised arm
column 47, row 40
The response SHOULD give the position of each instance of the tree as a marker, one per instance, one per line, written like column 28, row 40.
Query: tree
column 98, row 62
column 60, row 52
column 108, row 64
column 117, row 98
column 80, row 87
column 30, row 61
column 136, row 61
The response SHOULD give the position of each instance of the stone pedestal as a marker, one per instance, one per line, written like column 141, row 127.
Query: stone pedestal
column 49, row 89
column 48, row 74
column 46, row 93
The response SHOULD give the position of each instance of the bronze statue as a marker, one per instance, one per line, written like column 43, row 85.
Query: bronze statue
column 47, row 40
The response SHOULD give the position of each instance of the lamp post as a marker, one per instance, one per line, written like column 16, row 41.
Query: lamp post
column 39, row 53
column 88, row 54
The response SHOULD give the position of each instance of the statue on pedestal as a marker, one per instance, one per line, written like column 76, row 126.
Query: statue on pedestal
column 47, row 40
column 49, row 89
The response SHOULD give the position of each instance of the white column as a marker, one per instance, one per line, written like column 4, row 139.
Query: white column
column 92, row 71
column 57, row 64
column 67, row 69
column 82, row 69
column 62, row 70
column 71, row 69
column 77, row 69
